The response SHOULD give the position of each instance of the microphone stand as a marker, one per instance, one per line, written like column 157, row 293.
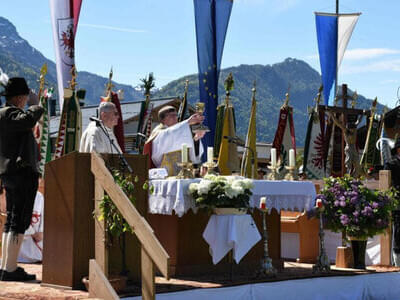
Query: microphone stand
column 239, row 143
column 124, row 163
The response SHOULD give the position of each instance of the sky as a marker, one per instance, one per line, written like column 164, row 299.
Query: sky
column 136, row 37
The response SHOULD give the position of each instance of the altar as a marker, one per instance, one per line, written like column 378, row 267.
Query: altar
column 179, row 224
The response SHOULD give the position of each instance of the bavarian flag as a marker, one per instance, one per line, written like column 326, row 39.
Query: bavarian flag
column 228, row 159
column 333, row 34
column 284, row 137
column 249, row 160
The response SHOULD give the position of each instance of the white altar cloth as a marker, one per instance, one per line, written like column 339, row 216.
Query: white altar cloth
column 226, row 232
column 172, row 195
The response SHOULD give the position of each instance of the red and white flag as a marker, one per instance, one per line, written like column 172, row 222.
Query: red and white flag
column 64, row 18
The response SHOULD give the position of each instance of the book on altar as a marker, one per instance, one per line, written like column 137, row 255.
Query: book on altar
column 158, row 173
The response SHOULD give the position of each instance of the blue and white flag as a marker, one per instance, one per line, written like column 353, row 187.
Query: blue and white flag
column 212, row 18
column 333, row 34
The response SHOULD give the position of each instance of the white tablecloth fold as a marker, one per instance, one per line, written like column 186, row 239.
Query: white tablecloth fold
column 172, row 195
column 226, row 232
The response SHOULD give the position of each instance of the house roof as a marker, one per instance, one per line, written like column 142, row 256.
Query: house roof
column 130, row 112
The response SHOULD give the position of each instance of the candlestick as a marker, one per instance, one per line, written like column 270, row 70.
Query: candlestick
column 210, row 154
column 273, row 157
column 184, row 153
column 291, row 174
column 291, row 158
column 322, row 264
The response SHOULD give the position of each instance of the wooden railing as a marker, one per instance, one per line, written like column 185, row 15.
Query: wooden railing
column 152, row 252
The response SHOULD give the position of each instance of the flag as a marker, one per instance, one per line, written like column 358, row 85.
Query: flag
column 44, row 138
column 314, row 156
column 228, row 160
column 64, row 18
column 73, row 122
column 333, row 34
column 249, row 160
column 211, row 18
column 371, row 155
column 284, row 139
column 182, row 112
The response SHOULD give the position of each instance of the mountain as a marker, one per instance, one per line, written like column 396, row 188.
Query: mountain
column 272, row 82
column 19, row 58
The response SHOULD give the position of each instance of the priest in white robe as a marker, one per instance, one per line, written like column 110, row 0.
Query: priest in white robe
column 94, row 138
column 170, row 135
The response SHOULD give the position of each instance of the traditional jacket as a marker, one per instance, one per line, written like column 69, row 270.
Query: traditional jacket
column 18, row 148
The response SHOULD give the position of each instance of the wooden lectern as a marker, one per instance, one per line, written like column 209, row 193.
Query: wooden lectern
column 69, row 223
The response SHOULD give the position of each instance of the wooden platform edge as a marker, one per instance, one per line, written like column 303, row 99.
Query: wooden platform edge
column 99, row 287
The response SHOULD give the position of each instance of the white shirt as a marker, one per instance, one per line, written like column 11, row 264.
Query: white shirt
column 94, row 139
column 171, row 139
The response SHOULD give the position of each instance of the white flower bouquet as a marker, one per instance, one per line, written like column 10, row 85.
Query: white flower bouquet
column 220, row 191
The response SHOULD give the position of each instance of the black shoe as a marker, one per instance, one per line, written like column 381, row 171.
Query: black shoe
column 18, row 275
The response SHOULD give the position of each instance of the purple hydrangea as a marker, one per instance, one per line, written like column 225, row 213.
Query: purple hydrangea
column 344, row 220
column 374, row 205
column 336, row 203
column 343, row 203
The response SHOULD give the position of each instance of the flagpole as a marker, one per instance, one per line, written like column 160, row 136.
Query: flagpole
column 337, row 45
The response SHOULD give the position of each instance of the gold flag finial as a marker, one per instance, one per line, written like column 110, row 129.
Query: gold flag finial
column 72, row 83
column 109, row 85
column 254, row 88
column 229, row 84
column 43, row 72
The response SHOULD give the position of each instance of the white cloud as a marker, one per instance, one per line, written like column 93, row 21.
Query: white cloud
column 359, row 54
column 377, row 66
column 113, row 28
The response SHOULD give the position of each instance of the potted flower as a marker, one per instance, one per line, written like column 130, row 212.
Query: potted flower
column 221, row 193
column 350, row 207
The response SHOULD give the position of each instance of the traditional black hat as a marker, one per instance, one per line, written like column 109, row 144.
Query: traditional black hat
column 16, row 86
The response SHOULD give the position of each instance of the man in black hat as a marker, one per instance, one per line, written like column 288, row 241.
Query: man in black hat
column 18, row 172
column 394, row 166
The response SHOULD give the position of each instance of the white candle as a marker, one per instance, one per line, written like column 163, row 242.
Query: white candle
column 263, row 201
column 291, row 158
column 210, row 154
column 184, row 153
column 273, row 157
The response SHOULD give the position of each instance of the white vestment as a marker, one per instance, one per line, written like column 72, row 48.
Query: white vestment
column 94, row 139
column 31, row 251
column 171, row 139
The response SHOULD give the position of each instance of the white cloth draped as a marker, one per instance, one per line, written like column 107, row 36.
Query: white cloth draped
column 171, row 139
column 94, row 139
column 172, row 195
column 226, row 232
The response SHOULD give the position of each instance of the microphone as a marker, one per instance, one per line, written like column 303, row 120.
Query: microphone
column 97, row 120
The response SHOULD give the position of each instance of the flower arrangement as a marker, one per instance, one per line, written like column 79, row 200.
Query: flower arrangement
column 220, row 191
column 347, row 205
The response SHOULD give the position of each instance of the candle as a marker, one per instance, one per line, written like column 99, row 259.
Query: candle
column 184, row 153
column 210, row 154
column 273, row 157
column 291, row 158
column 319, row 203
column 263, row 200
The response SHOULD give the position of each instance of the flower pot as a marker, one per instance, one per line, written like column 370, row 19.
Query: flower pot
column 230, row 211
column 359, row 248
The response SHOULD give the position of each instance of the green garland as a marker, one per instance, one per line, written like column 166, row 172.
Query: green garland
column 115, row 224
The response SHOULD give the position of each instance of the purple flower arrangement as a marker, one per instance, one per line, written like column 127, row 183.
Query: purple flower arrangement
column 351, row 207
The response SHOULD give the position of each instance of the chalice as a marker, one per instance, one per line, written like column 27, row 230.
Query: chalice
column 200, row 110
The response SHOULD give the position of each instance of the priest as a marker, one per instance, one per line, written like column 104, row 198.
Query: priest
column 167, row 138
column 100, row 137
